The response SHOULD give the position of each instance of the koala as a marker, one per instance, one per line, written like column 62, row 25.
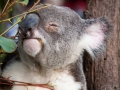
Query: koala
column 51, row 46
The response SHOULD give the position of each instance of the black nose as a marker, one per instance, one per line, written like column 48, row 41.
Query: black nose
column 28, row 25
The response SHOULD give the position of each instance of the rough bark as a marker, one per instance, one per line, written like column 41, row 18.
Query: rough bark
column 103, row 74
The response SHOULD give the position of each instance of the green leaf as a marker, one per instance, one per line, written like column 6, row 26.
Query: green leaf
column 8, row 45
column 26, row 2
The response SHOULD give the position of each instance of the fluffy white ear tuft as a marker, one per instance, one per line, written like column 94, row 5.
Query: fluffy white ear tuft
column 95, row 33
column 94, row 36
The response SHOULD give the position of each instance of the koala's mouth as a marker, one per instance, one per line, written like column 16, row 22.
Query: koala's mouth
column 32, row 46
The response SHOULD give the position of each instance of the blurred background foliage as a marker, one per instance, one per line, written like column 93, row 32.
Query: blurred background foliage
column 2, row 25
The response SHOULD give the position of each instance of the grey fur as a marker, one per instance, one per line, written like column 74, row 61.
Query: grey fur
column 71, row 29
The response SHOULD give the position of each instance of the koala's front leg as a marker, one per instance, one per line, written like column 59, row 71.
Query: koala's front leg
column 78, row 74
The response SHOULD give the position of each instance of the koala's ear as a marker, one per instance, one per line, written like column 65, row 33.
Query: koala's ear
column 95, row 33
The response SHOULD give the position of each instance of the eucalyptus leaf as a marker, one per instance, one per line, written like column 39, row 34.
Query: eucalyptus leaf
column 8, row 45
column 26, row 2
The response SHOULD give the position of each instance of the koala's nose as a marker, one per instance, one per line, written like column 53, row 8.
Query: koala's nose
column 28, row 25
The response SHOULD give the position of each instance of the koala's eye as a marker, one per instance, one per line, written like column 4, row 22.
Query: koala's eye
column 52, row 27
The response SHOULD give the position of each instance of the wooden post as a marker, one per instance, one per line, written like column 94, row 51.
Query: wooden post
column 104, row 74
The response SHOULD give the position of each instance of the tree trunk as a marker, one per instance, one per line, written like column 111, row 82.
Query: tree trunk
column 103, row 74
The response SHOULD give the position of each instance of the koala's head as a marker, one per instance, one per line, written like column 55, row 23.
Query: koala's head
column 56, row 36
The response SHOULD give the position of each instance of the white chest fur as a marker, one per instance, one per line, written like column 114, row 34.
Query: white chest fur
column 60, row 80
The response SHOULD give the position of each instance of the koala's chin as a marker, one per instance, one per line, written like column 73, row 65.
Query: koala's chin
column 32, row 46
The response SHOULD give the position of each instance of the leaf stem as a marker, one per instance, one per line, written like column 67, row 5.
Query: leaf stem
column 24, row 13
column 10, row 28
column 21, row 18
column 8, row 6
column 35, row 4
column 19, row 83
column 4, row 8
